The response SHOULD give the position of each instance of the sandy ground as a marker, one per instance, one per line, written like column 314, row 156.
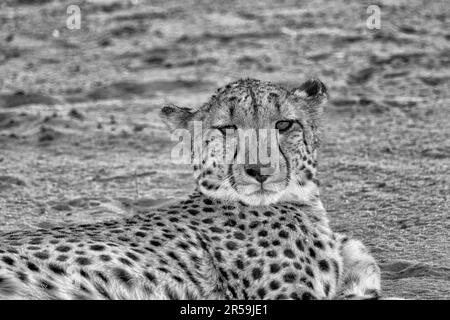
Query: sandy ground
column 80, row 139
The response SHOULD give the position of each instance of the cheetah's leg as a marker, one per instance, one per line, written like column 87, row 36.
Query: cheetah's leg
column 361, row 275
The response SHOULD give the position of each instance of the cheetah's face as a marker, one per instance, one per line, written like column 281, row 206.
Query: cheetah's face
column 278, row 160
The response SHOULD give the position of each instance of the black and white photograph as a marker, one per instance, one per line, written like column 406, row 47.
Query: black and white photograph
column 224, row 151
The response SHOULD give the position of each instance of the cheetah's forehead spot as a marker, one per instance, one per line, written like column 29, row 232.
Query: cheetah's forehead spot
column 248, row 104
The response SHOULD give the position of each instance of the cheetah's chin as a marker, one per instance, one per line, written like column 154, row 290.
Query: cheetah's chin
column 261, row 198
column 257, row 195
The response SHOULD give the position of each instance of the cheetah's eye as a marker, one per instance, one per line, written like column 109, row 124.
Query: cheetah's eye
column 283, row 126
column 223, row 129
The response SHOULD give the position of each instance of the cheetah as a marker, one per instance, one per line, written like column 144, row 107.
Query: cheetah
column 246, row 232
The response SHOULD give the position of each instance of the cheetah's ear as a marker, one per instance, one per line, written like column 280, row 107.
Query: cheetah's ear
column 176, row 117
column 313, row 92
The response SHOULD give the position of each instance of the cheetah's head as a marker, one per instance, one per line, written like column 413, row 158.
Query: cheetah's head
column 280, row 126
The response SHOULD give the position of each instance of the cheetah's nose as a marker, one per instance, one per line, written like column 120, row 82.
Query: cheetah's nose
column 256, row 173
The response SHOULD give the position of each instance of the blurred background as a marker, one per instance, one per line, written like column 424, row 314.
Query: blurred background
column 81, row 83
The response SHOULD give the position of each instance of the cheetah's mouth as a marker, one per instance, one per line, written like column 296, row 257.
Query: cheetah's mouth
column 252, row 192
column 260, row 195
column 261, row 190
